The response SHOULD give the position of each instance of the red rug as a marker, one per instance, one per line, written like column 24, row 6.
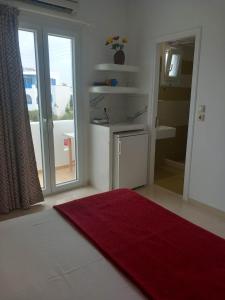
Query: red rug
column 166, row 256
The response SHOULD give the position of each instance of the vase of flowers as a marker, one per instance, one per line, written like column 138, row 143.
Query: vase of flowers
column 117, row 44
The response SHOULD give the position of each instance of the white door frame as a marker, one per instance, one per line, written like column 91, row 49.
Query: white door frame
column 74, row 32
column 75, row 38
column 153, row 102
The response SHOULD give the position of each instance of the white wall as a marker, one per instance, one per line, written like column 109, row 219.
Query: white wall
column 61, row 153
column 61, row 97
column 107, row 17
column 150, row 19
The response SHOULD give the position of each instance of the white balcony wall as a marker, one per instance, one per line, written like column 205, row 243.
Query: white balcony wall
column 60, row 128
column 61, row 98
column 35, row 130
column 61, row 153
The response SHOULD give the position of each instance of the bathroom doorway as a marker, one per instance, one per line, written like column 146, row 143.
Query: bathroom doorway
column 175, row 78
column 173, row 113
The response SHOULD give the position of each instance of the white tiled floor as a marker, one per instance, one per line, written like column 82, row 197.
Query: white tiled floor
column 203, row 216
column 206, row 217
column 51, row 201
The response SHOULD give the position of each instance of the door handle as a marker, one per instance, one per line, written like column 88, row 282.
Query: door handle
column 156, row 121
column 50, row 123
column 45, row 121
column 119, row 147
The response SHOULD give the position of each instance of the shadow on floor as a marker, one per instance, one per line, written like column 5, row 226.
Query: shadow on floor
column 170, row 178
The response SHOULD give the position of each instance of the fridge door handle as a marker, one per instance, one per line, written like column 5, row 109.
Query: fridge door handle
column 119, row 147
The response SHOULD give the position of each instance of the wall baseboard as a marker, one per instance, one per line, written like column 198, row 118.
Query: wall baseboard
column 207, row 207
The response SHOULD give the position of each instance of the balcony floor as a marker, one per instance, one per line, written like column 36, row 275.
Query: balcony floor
column 63, row 174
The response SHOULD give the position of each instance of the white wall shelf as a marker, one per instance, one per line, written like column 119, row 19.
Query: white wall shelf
column 116, row 68
column 114, row 90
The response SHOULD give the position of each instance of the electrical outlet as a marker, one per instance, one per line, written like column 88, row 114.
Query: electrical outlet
column 201, row 116
column 201, row 108
column 201, row 113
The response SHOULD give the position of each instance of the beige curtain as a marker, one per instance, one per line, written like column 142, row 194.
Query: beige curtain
column 19, row 183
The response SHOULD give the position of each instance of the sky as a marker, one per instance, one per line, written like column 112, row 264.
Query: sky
column 59, row 55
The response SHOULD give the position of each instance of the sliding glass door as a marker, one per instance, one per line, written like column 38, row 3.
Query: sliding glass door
column 27, row 41
column 49, row 69
column 62, row 108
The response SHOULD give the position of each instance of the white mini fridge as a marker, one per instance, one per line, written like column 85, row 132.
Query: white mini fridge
column 130, row 159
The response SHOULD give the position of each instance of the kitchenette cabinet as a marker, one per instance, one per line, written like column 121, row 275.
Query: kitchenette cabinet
column 104, row 157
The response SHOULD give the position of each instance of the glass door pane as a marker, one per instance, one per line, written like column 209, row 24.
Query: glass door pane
column 27, row 41
column 63, row 108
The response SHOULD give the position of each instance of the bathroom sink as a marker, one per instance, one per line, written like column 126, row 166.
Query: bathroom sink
column 165, row 132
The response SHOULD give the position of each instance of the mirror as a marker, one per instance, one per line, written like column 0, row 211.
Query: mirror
column 171, row 65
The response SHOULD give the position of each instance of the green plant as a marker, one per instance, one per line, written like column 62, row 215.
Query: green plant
column 34, row 115
column 68, row 115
